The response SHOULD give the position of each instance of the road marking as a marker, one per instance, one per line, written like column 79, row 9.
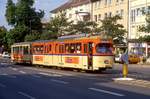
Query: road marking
column 2, row 85
column 59, row 81
column 52, row 74
column 11, row 76
column 36, row 76
column 15, row 69
column 108, row 92
column 4, row 74
column 4, row 64
column 46, row 74
column 22, row 72
column 26, row 95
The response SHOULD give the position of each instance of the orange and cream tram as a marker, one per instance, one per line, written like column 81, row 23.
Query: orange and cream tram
column 21, row 53
column 87, row 53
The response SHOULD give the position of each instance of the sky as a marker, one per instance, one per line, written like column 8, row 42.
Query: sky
column 46, row 5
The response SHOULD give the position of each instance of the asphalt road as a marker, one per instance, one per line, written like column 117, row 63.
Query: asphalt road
column 20, row 82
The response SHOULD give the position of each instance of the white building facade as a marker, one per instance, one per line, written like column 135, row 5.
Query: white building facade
column 76, row 10
column 137, row 10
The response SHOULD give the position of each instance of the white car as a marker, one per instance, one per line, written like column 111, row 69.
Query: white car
column 117, row 58
column 6, row 55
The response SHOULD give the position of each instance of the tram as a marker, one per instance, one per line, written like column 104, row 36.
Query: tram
column 86, row 53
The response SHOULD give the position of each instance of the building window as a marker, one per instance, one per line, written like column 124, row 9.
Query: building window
column 143, row 10
column 110, row 14
column 117, row 1
column 122, row 1
column 121, row 12
column 105, row 2
column 138, row 11
column 109, row 1
column 132, row 15
column 95, row 17
column 105, row 15
column 117, row 12
column 99, row 17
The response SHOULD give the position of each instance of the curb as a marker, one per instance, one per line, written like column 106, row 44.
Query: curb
column 139, row 83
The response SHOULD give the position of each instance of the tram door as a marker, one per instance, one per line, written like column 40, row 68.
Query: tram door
column 61, row 51
column 90, row 55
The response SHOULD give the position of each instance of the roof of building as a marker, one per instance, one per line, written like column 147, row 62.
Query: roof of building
column 71, row 3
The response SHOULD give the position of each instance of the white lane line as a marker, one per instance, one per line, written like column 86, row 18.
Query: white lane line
column 2, row 85
column 4, row 64
column 59, row 81
column 50, row 74
column 4, row 74
column 108, row 92
column 53, row 72
column 26, row 95
column 44, row 74
column 22, row 72
column 36, row 76
column 11, row 76
column 15, row 69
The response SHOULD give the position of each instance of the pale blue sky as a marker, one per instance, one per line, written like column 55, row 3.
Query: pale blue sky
column 46, row 5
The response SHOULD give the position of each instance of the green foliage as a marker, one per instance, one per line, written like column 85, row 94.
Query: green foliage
column 84, row 27
column 17, row 34
column 25, row 20
column 47, row 35
column 146, row 28
column 10, row 12
column 59, row 25
column 111, row 28
column 3, row 40
column 146, row 38
column 31, row 37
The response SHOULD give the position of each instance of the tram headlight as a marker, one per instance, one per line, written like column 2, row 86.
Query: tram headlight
column 106, row 61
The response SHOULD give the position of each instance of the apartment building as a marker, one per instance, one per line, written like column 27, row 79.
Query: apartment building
column 76, row 10
column 108, row 8
column 137, row 10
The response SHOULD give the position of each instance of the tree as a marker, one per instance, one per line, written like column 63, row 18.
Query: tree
column 3, row 41
column 59, row 25
column 84, row 27
column 10, row 12
column 146, row 28
column 24, row 18
column 146, row 38
column 16, row 35
column 111, row 28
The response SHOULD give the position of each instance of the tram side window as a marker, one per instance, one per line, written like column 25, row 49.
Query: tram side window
column 38, row 49
column 72, row 48
column 26, row 50
column 50, row 48
column 85, row 48
column 78, row 48
column 16, row 50
column 67, row 48
column 20, row 50
column 61, row 49
column 103, row 48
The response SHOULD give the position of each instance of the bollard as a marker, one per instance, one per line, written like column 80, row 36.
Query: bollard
column 125, row 70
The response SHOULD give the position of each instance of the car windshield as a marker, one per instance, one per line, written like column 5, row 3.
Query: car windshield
column 103, row 48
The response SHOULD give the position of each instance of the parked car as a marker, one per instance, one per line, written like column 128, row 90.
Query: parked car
column 133, row 59
column 117, row 58
column 6, row 55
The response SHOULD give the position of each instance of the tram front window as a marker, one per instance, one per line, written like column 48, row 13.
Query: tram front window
column 103, row 48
